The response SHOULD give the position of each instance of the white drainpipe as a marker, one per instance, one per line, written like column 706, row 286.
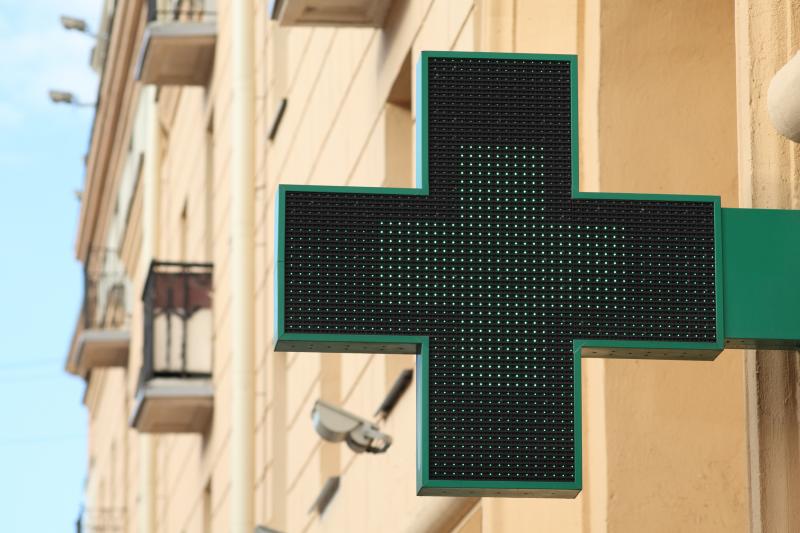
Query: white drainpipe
column 147, row 481
column 150, row 176
column 783, row 100
column 242, row 267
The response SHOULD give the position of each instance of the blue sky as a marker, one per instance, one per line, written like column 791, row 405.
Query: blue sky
column 42, row 421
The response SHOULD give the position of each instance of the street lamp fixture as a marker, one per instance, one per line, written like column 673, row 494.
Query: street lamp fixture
column 72, row 23
column 65, row 97
column 76, row 24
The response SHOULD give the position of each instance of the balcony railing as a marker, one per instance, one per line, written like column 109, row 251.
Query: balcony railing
column 101, row 336
column 177, row 320
column 180, row 10
column 175, row 392
column 178, row 43
column 104, row 300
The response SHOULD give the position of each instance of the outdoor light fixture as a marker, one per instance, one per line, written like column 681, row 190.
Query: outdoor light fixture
column 72, row 23
column 76, row 24
column 276, row 122
column 398, row 389
column 265, row 529
column 61, row 97
column 336, row 425
column 65, row 97
column 325, row 496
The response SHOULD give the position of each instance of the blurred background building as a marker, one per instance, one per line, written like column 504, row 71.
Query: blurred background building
column 204, row 106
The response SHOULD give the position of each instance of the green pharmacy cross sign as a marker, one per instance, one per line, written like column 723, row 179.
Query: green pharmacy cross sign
column 501, row 275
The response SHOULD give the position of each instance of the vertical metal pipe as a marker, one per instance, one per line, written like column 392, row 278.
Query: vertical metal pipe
column 242, row 266
column 152, row 158
column 147, row 475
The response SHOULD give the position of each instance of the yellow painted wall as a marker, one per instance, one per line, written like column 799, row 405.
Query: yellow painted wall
column 676, row 440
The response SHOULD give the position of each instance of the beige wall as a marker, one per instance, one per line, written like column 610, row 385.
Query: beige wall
column 108, row 476
column 338, row 129
column 676, row 445
column 766, row 37
column 665, row 443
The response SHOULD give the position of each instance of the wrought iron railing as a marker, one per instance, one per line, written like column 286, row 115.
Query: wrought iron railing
column 104, row 291
column 180, row 10
column 177, row 321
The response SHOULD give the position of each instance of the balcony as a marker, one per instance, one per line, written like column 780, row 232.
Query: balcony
column 175, row 393
column 343, row 13
column 101, row 337
column 178, row 43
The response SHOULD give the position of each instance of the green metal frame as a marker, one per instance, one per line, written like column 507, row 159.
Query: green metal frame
column 760, row 260
column 419, row 344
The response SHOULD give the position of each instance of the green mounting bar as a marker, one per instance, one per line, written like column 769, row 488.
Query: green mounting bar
column 761, row 257
column 500, row 275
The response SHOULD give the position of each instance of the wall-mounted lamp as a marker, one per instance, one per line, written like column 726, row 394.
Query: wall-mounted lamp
column 76, row 24
column 265, row 529
column 276, row 121
column 65, row 97
column 72, row 23
column 325, row 496
column 336, row 425
column 395, row 393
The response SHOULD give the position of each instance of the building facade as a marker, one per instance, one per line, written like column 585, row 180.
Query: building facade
column 197, row 425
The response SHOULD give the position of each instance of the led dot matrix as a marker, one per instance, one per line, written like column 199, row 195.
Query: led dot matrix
column 502, row 267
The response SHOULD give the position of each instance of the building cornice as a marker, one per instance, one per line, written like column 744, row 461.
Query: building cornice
column 111, row 124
